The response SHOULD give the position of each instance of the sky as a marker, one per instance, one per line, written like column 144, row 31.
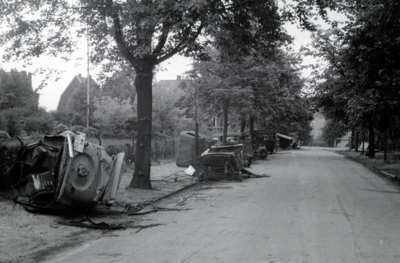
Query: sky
column 177, row 65
column 50, row 95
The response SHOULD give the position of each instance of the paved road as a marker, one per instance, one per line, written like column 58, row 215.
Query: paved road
column 316, row 207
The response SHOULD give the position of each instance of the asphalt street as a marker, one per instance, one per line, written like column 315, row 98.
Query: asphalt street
column 317, row 206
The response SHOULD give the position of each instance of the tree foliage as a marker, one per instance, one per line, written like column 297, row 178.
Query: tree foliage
column 120, row 85
column 16, row 91
column 268, row 90
column 168, row 119
column 19, row 105
column 359, row 86
column 111, row 115
column 331, row 131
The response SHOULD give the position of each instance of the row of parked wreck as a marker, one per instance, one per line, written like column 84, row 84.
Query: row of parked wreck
column 227, row 159
column 65, row 171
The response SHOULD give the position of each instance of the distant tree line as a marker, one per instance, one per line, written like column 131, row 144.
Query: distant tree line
column 359, row 86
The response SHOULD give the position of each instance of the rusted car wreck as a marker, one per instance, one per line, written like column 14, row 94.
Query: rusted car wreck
column 62, row 172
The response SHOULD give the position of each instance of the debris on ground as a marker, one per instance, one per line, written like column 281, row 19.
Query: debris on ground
column 143, row 211
column 88, row 223
column 183, row 199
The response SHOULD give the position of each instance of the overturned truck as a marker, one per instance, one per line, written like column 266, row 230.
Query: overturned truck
column 62, row 172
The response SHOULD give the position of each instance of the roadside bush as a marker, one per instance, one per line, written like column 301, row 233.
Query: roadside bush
column 60, row 128
column 91, row 131
column 111, row 116
column 4, row 135
column 8, row 155
column 12, row 121
column 77, row 128
column 41, row 122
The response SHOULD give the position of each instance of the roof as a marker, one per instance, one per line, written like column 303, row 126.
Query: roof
column 230, row 134
column 284, row 136
column 169, row 83
column 76, row 81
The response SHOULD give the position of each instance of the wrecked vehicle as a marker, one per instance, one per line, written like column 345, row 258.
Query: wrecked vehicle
column 264, row 139
column 62, row 172
column 235, row 142
column 186, row 149
column 244, row 156
column 218, row 165
column 284, row 141
column 221, row 162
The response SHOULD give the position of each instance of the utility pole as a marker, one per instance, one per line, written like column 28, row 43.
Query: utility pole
column 196, row 131
column 88, row 78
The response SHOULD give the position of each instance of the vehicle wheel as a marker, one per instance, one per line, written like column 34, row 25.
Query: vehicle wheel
column 263, row 155
column 240, row 176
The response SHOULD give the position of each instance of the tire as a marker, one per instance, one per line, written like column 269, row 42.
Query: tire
column 240, row 176
column 263, row 155
column 249, row 162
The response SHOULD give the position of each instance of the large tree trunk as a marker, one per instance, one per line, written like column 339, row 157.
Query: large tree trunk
column 251, row 127
column 356, row 144
column 371, row 140
column 363, row 144
column 385, row 146
column 196, row 138
column 242, row 125
column 225, row 131
column 352, row 139
column 143, row 84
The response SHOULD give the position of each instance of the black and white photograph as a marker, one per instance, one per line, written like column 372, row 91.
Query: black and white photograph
column 200, row 131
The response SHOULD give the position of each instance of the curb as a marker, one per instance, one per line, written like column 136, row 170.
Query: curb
column 172, row 193
column 391, row 175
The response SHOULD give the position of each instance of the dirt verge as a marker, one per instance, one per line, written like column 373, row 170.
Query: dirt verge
column 28, row 237
column 389, row 170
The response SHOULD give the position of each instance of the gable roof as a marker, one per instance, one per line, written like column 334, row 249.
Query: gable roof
column 168, row 89
column 170, row 84
column 76, row 82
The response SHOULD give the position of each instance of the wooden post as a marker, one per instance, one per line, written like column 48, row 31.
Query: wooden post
column 385, row 146
column 155, row 149
column 165, row 147
column 363, row 149
column 356, row 143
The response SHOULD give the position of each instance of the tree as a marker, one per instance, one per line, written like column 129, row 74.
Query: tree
column 377, row 63
column 269, row 90
column 111, row 115
column 11, row 121
column 120, row 85
column 279, row 103
column 220, row 88
column 19, row 103
column 142, row 34
column 16, row 91
column 41, row 121
column 168, row 120
column 331, row 131
column 360, row 84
